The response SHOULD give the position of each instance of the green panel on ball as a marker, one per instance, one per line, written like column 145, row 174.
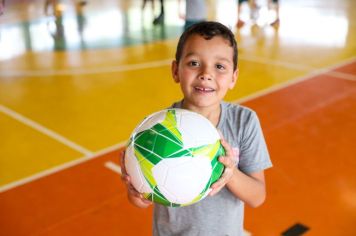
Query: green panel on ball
column 218, row 167
column 161, row 135
column 170, row 122
column 165, row 146
column 210, row 150
column 146, row 167
column 214, row 151
column 149, row 155
column 181, row 153
column 159, row 198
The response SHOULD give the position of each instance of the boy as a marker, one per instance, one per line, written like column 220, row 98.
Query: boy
column 206, row 68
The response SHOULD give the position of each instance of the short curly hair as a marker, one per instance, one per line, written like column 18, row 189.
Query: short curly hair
column 208, row 29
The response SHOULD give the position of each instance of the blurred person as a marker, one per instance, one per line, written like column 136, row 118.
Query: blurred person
column 274, row 4
column 253, row 11
column 144, row 2
column 49, row 4
column 160, row 18
column 81, row 20
column 2, row 7
column 55, row 7
column 195, row 12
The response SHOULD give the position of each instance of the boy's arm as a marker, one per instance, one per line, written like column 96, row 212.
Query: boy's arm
column 249, row 188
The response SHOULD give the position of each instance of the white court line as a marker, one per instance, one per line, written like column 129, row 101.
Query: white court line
column 138, row 66
column 246, row 233
column 117, row 146
column 40, row 128
column 86, row 71
column 341, row 75
column 159, row 63
column 297, row 80
column 113, row 166
column 59, row 168
column 290, row 65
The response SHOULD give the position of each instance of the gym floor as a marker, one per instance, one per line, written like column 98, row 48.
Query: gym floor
column 76, row 79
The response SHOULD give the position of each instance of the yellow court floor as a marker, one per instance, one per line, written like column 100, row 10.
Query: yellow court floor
column 75, row 79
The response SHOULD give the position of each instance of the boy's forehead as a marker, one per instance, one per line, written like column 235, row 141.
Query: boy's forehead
column 196, row 40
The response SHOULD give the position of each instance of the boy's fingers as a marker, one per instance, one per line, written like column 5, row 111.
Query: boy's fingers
column 230, row 153
column 220, row 183
column 227, row 147
column 126, row 179
column 236, row 151
column 215, row 188
column 122, row 157
column 147, row 201
column 122, row 162
column 133, row 192
column 228, row 162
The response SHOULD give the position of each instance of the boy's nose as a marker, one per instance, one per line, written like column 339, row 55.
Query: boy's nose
column 205, row 74
column 205, row 77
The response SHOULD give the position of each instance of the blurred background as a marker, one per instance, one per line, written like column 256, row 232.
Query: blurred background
column 76, row 77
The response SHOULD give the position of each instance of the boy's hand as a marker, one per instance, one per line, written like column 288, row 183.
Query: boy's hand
column 134, row 196
column 230, row 160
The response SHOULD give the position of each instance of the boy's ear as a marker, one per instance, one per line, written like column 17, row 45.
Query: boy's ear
column 174, row 68
column 235, row 75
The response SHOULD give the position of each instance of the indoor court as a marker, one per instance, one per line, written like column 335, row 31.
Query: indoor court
column 75, row 80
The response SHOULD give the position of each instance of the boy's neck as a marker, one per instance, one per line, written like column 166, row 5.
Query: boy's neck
column 211, row 113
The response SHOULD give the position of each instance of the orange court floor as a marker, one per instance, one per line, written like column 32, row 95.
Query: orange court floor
column 75, row 79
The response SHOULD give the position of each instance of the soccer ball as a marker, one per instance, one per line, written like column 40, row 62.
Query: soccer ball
column 172, row 157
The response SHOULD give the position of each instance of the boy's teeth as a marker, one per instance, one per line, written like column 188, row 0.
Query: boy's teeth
column 204, row 89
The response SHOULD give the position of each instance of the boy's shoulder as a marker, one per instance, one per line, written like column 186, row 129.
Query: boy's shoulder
column 236, row 114
column 230, row 111
column 236, row 106
column 237, row 109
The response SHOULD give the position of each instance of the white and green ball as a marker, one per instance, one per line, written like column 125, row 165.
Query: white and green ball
column 172, row 157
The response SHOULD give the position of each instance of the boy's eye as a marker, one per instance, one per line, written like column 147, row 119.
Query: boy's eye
column 194, row 63
column 220, row 67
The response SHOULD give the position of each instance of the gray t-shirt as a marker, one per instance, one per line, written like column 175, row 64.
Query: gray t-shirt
column 222, row 214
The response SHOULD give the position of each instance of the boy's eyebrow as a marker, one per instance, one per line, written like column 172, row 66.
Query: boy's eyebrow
column 190, row 54
column 224, row 59
column 218, row 58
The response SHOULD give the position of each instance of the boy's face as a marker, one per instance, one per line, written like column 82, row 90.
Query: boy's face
column 205, row 71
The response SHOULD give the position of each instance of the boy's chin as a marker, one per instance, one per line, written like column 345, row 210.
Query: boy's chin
column 201, row 103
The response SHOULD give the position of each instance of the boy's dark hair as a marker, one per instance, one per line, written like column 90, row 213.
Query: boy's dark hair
column 208, row 30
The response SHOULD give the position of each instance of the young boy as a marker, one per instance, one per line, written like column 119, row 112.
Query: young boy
column 206, row 68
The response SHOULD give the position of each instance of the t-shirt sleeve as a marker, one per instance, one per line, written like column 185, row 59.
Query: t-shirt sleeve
column 254, row 156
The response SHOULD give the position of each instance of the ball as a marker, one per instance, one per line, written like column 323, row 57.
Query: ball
column 172, row 157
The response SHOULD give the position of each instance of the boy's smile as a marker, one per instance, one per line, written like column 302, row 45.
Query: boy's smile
column 205, row 72
column 204, row 90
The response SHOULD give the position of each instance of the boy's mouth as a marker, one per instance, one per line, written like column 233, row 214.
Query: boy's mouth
column 204, row 90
